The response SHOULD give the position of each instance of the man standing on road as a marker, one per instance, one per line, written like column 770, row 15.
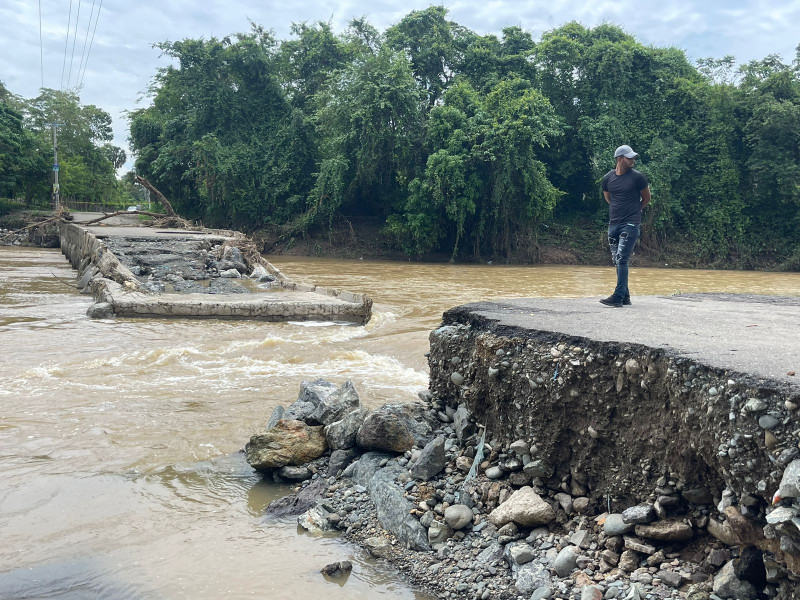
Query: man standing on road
column 627, row 192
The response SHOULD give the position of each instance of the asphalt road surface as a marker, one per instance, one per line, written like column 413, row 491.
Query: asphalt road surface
column 750, row 334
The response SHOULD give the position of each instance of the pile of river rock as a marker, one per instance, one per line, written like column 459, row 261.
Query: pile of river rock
column 464, row 515
column 43, row 237
column 187, row 265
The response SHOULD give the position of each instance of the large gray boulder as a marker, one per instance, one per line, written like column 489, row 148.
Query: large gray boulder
column 615, row 525
column 277, row 415
column 727, row 585
column 566, row 561
column 340, row 459
column 310, row 396
column 341, row 434
column 644, row 513
column 332, row 407
column 439, row 532
column 396, row 428
column 461, row 423
column 431, row 460
column 391, row 506
column 295, row 504
column 367, row 466
column 287, row 443
column 489, row 555
column 458, row 516
column 532, row 576
column 790, row 482
column 232, row 259
column 517, row 554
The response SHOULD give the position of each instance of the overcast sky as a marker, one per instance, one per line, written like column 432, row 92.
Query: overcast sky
column 121, row 60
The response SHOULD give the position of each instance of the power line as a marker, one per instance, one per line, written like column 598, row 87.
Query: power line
column 66, row 41
column 96, row 18
column 74, row 39
column 85, row 39
column 41, row 51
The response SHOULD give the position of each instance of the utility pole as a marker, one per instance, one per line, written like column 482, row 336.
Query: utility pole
column 55, row 127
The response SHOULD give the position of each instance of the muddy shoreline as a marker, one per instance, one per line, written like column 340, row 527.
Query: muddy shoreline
column 561, row 244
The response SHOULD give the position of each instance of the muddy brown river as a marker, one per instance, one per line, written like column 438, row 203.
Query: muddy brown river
column 120, row 475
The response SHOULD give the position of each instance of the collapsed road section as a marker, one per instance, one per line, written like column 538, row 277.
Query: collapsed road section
column 688, row 404
column 163, row 272
column 571, row 451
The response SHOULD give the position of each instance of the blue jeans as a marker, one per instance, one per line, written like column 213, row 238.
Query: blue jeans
column 621, row 240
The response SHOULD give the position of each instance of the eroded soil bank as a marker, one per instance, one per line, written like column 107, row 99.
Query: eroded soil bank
column 546, row 464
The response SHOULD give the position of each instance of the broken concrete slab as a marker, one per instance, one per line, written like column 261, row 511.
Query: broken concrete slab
column 150, row 272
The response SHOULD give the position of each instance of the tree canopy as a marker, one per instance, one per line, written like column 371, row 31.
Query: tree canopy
column 469, row 144
column 87, row 159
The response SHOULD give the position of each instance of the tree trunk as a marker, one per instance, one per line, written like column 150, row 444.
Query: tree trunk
column 164, row 202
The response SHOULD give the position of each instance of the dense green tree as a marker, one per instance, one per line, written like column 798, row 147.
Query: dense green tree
column 221, row 138
column 486, row 170
column 369, row 123
column 26, row 147
column 307, row 61
column 466, row 143
column 11, row 142
column 434, row 46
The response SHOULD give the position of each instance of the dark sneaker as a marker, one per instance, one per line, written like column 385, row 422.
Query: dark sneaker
column 626, row 301
column 612, row 300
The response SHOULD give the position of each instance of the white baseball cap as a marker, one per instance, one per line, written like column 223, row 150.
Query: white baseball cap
column 625, row 151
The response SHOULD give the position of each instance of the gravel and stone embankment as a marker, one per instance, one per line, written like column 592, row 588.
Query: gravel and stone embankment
column 607, row 470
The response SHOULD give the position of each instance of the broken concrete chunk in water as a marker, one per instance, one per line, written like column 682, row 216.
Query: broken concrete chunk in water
column 261, row 274
column 144, row 272
column 315, row 520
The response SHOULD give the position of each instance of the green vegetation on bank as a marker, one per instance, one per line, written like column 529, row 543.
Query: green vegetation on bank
column 87, row 160
column 469, row 145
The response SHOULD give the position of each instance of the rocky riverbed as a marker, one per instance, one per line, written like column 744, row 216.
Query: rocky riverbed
column 465, row 514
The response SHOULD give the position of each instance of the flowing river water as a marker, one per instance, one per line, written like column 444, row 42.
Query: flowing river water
column 120, row 470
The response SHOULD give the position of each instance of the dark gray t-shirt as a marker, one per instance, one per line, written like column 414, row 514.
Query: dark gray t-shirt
column 625, row 191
